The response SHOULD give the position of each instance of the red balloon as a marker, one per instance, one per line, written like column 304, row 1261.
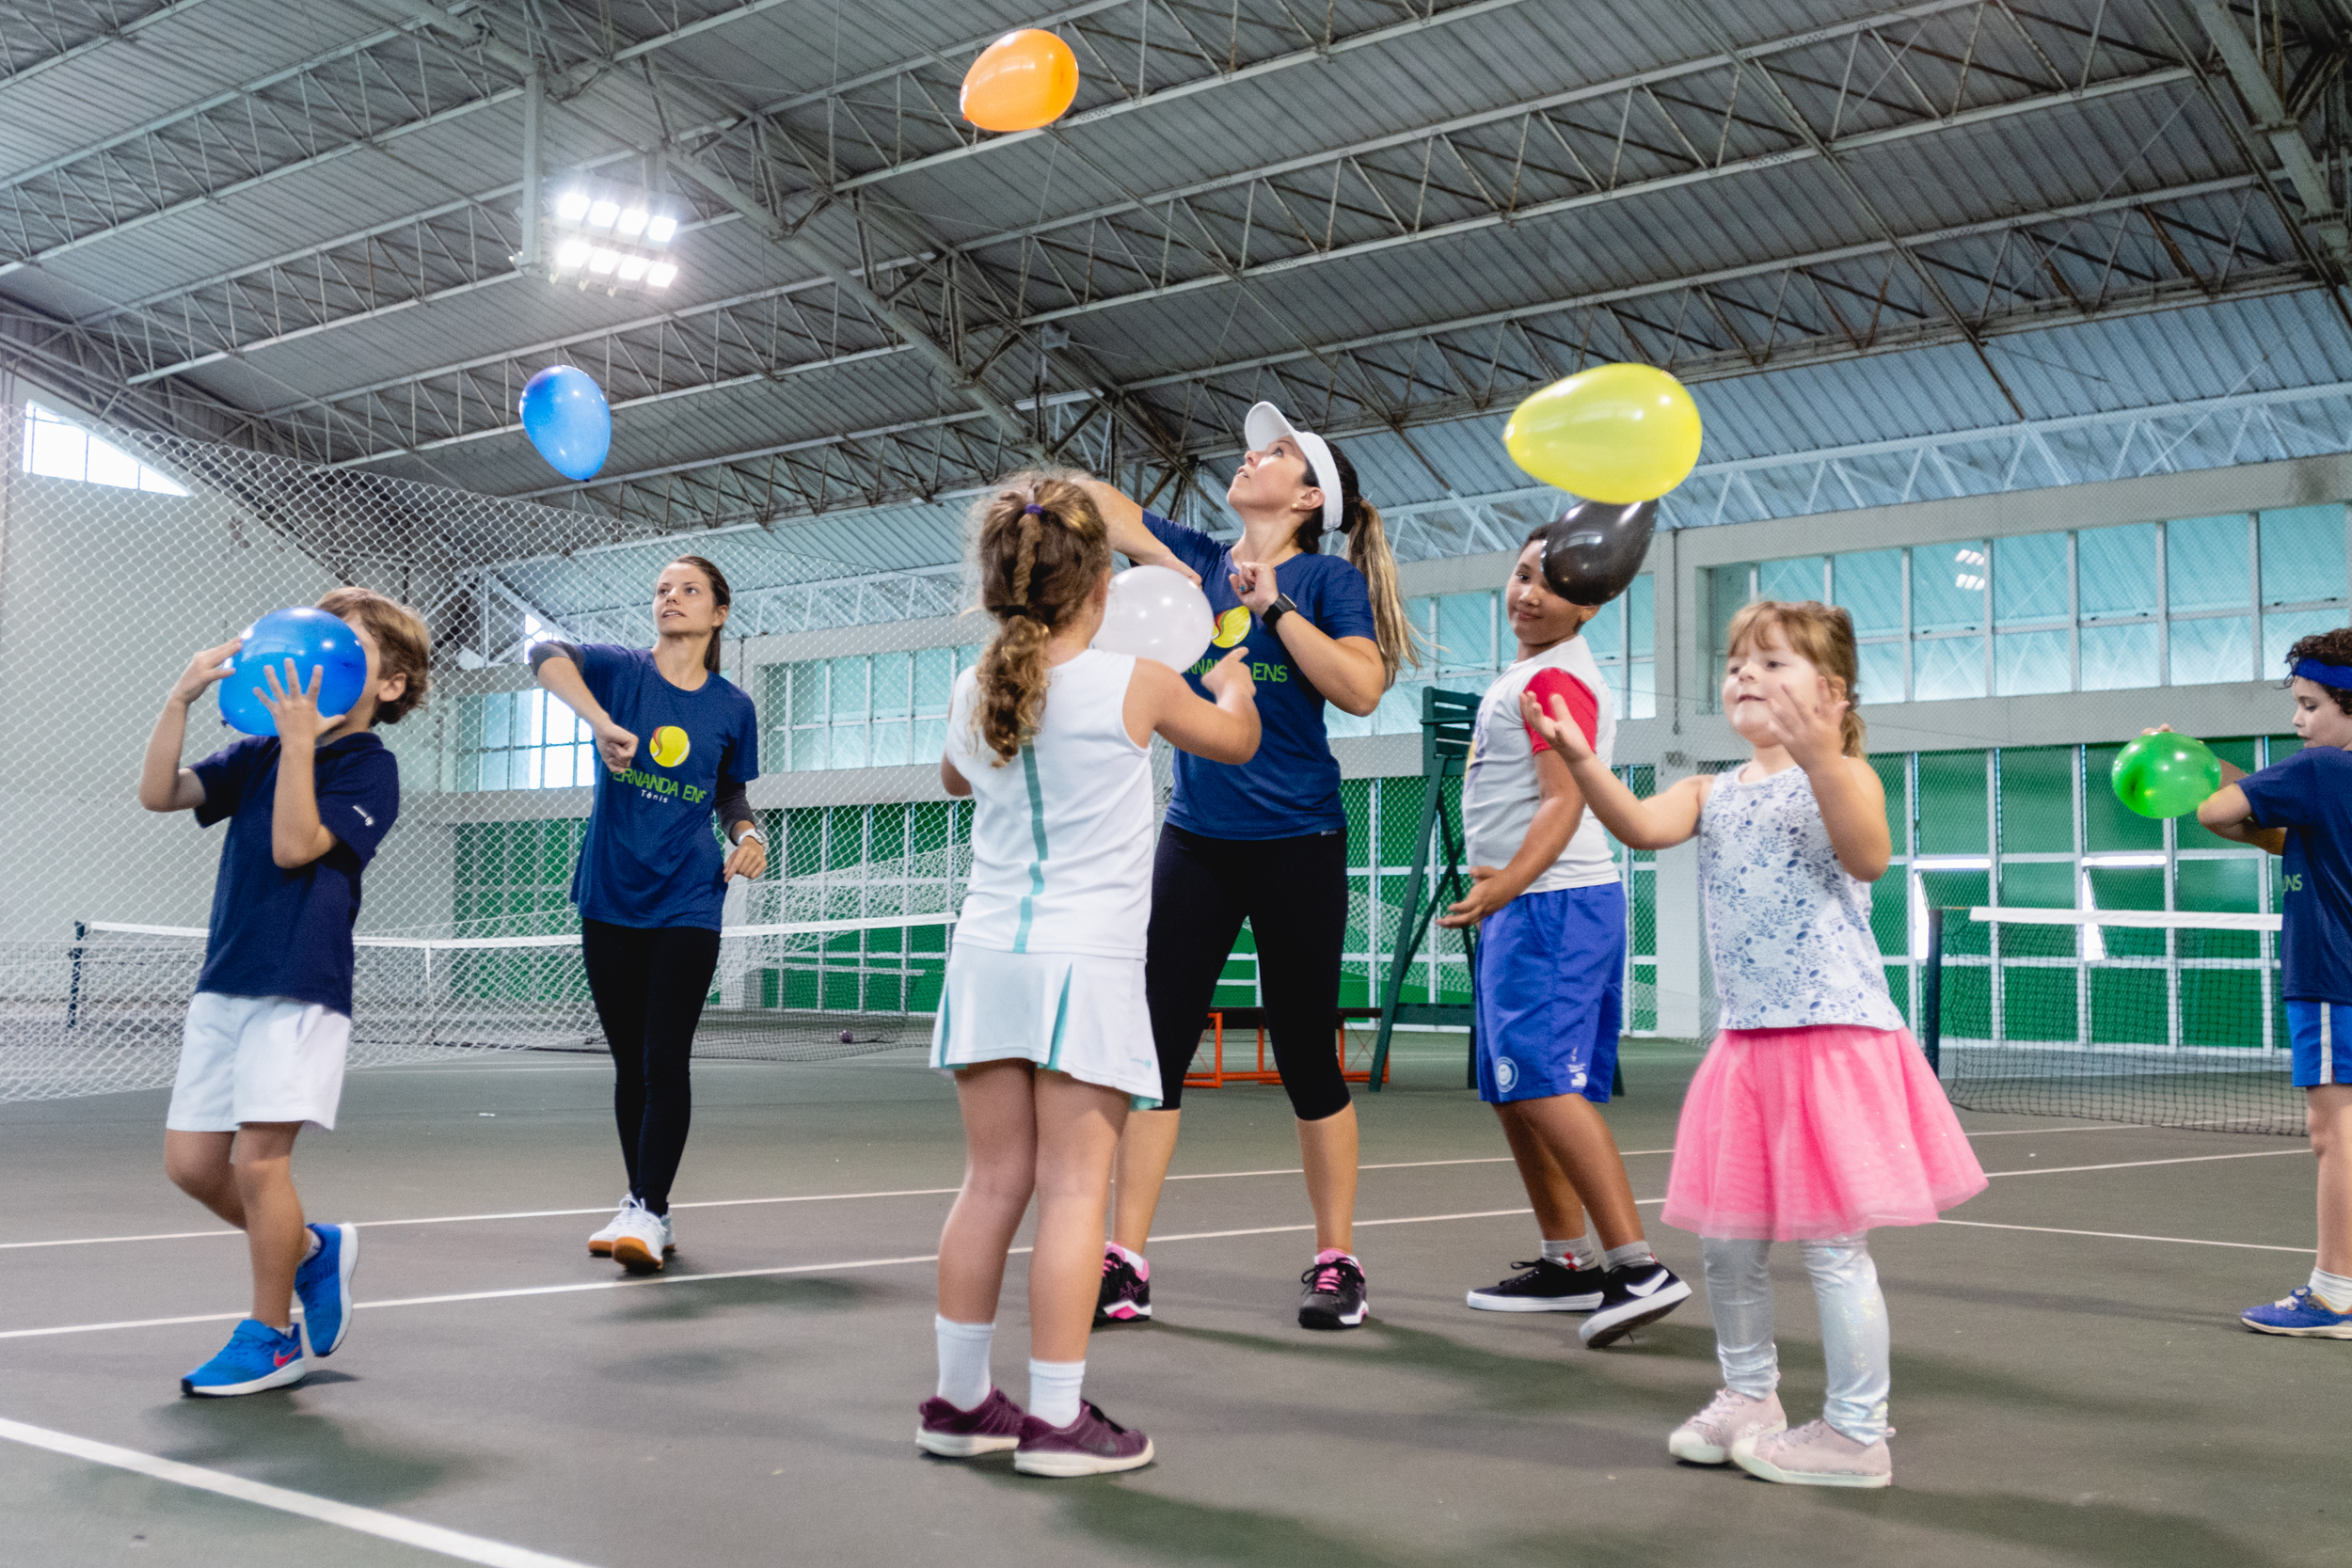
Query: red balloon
column 1021, row 80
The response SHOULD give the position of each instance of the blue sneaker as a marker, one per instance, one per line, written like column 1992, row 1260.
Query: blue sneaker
column 256, row 1357
column 2302, row 1315
column 323, row 1285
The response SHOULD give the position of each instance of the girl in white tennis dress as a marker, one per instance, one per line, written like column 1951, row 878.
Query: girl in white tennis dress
column 1044, row 1025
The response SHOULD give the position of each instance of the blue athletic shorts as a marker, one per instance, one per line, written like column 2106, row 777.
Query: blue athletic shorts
column 2321, row 1034
column 1550, row 994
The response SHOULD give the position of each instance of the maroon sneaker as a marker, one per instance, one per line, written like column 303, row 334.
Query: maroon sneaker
column 1092, row 1444
column 994, row 1426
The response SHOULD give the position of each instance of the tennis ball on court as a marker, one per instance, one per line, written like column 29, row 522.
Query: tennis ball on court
column 1232, row 626
column 670, row 746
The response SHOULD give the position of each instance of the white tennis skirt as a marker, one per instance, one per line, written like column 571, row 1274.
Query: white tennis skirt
column 1067, row 1012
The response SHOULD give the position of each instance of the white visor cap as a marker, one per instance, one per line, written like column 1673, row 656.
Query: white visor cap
column 1266, row 425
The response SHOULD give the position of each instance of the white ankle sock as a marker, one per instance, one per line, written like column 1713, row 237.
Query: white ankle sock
column 1581, row 1253
column 313, row 1250
column 1632, row 1251
column 2334, row 1288
column 963, row 1380
column 1054, row 1390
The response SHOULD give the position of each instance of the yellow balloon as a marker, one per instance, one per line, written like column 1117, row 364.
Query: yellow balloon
column 1616, row 434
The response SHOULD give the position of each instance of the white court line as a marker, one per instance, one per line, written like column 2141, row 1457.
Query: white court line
column 2128, row 1236
column 366, row 1521
column 2135, row 1164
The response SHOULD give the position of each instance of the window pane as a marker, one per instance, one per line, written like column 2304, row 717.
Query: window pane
column 2207, row 651
column 2029, row 579
column 110, row 466
column 498, row 710
column 1870, row 589
column 1604, row 634
column 2206, row 562
column 1466, row 633
column 2115, row 658
column 57, row 449
column 494, row 769
column 2115, row 570
column 892, row 672
column 2025, row 662
column 2281, row 630
column 2304, row 554
column 1642, row 689
column 159, row 485
column 1947, row 667
column 848, row 741
column 1948, row 584
column 890, row 744
column 1797, row 578
column 1339, row 724
column 934, row 680
column 1399, row 712
column 849, row 688
column 808, row 692
column 930, row 738
column 808, row 748
column 1881, row 672
column 1641, row 621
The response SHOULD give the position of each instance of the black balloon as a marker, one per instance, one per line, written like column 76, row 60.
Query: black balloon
column 1596, row 551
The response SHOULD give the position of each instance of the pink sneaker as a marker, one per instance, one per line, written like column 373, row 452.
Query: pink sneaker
column 1706, row 1437
column 1093, row 1445
column 952, row 1432
column 1816, row 1455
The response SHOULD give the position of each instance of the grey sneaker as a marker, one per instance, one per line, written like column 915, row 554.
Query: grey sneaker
column 1816, row 1455
column 1706, row 1437
column 952, row 1432
column 1093, row 1445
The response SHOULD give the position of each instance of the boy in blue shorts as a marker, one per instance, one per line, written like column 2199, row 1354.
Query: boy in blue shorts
column 263, row 1051
column 2302, row 808
column 1550, row 982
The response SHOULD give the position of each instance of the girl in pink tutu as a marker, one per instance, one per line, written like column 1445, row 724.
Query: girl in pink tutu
column 1814, row 1117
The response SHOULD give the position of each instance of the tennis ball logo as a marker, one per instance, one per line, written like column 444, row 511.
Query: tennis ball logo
column 669, row 746
column 1232, row 625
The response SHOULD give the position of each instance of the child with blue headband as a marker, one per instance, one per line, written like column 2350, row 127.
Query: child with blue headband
column 2302, row 809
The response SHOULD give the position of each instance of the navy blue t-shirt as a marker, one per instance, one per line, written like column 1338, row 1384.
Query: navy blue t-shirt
column 288, row 933
column 2310, row 794
column 1292, row 787
column 650, row 859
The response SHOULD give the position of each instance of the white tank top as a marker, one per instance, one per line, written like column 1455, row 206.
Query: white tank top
column 1061, row 835
column 1787, row 929
column 1499, row 792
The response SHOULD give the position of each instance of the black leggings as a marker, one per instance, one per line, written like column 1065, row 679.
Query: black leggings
column 1293, row 892
column 649, row 987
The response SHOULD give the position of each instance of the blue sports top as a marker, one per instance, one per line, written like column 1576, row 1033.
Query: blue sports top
column 650, row 859
column 1291, row 788
column 288, row 933
column 2310, row 794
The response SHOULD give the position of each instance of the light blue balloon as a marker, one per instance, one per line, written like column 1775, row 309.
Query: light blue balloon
column 313, row 638
column 567, row 418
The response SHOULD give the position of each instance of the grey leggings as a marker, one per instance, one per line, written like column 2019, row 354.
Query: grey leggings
column 1853, row 1325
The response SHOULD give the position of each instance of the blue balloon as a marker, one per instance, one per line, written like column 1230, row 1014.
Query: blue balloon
column 313, row 640
column 567, row 418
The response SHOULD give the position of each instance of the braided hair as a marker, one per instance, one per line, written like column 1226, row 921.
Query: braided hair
column 1040, row 549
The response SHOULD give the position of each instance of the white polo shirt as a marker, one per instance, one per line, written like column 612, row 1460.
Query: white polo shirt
column 1499, row 791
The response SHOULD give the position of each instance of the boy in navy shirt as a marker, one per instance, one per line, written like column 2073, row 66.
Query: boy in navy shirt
column 2302, row 808
column 262, row 1052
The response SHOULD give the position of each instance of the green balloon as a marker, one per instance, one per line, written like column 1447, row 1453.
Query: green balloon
column 2165, row 775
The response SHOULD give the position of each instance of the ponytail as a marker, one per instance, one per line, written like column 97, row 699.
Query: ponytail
column 1401, row 641
column 1040, row 549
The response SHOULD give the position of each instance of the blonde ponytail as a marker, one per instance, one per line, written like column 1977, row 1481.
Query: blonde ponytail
column 1368, row 552
column 1040, row 549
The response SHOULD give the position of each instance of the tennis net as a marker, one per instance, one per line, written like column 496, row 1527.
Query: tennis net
column 2170, row 1019
column 102, row 1012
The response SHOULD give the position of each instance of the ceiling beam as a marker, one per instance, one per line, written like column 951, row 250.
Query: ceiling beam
column 105, row 32
column 2272, row 122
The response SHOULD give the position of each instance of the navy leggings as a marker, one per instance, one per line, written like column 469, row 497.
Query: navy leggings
column 1294, row 892
column 650, row 985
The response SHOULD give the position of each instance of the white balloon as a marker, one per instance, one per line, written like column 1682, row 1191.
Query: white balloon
column 1156, row 613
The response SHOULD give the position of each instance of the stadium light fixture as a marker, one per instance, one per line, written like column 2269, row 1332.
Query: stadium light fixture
column 660, row 274
column 660, row 228
column 601, row 260
column 601, row 214
column 632, row 267
column 571, row 254
column 615, row 237
column 632, row 223
column 571, row 207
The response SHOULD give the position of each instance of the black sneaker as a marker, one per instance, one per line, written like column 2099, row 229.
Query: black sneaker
column 1335, row 1295
column 1546, row 1287
column 1126, row 1295
column 1632, row 1295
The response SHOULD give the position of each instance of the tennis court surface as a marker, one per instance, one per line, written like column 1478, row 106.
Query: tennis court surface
column 2071, row 1385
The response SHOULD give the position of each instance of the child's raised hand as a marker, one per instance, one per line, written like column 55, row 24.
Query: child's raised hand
column 204, row 669
column 1560, row 730
column 297, row 708
column 1810, row 724
column 1232, row 675
column 1486, row 896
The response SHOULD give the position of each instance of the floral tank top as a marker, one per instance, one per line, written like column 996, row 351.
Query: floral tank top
column 1787, row 929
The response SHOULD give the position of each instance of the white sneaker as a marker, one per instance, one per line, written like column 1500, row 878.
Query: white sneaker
column 600, row 1245
column 643, row 1241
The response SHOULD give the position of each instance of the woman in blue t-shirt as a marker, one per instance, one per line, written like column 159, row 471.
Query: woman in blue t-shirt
column 677, row 741
column 1265, row 840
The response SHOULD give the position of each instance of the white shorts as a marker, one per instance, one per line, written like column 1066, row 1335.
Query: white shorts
column 257, row 1059
column 1068, row 1012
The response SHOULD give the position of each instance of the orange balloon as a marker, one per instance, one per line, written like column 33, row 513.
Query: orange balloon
column 1021, row 80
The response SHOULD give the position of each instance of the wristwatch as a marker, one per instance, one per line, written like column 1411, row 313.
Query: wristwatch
column 1282, row 606
column 753, row 832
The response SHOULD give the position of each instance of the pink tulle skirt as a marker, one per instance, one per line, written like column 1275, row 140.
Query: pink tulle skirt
column 1797, row 1135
